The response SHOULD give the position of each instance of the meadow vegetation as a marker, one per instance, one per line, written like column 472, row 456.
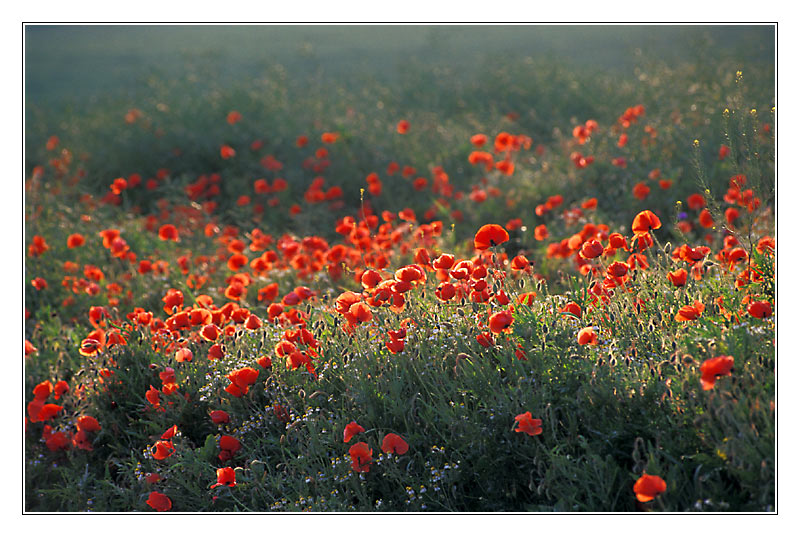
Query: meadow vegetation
column 530, row 285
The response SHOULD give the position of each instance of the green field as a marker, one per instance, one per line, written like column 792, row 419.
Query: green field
column 228, row 230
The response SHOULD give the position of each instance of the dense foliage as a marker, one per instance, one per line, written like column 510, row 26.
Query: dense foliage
column 520, row 288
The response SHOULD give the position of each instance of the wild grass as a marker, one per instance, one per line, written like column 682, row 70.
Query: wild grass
column 610, row 412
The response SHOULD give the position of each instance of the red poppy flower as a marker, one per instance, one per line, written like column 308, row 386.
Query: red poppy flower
column 641, row 191
column 350, row 430
column 361, row 456
column 75, row 240
column 444, row 262
column 520, row 262
column 57, row 441
column 210, row 332
column 695, row 201
column 252, row 322
column 234, row 117
column 403, row 126
column 393, row 443
column 329, row 137
column 506, row 167
column 169, row 433
column 49, row 411
column 215, row 352
column 705, row 219
column 526, row 424
column 690, row 313
column 184, row 355
column 359, row 313
column 34, row 407
column 152, row 396
column 228, row 446
column 765, row 244
column 445, row 291
column 159, row 502
column 677, row 277
column 370, row 279
column 38, row 246
column 481, row 157
column 648, row 487
column 587, row 336
column 163, row 449
column 173, row 299
column 644, row 222
column 591, row 249
column 571, row 308
column 478, row 140
column 225, row 477
column 395, row 345
column 60, row 389
column 42, row 390
column 589, row 204
column 731, row 214
column 760, row 309
column 490, row 235
column 88, row 424
column 501, row 321
column 485, row 339
column 714, row 368
column 220, row 416
column 226, row 152
column 617, row 269
column 244, row 377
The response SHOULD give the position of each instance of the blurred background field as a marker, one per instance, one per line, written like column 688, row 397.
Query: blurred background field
column 81, row 62
column 448, row 81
